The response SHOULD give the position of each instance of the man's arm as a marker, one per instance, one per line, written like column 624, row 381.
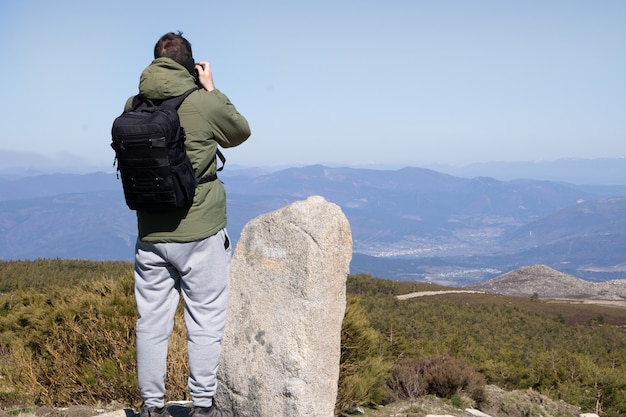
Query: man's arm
column 228, row 125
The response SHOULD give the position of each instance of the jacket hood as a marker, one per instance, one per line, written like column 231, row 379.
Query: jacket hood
column 164, row 78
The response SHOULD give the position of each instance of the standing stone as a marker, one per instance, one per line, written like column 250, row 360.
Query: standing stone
column 281, row 348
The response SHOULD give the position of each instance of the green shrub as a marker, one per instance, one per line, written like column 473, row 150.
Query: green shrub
column 363, row 371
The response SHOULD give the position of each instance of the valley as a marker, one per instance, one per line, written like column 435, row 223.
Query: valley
column 409, row 224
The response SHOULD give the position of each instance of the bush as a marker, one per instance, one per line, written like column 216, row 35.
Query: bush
column 440, row 375
column 363, row 371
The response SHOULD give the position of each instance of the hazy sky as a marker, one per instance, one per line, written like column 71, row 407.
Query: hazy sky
column 353, row 82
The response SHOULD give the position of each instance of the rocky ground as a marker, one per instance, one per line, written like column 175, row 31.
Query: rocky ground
column 501, row 404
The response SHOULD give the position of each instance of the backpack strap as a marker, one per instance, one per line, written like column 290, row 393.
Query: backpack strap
column 138, row 101
column 209, row 178
column 170, row 102
column 177, row 101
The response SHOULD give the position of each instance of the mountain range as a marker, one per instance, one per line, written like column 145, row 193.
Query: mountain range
column 410, row 223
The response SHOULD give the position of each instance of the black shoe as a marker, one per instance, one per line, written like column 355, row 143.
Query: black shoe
column 153, row 412
column 211, row 411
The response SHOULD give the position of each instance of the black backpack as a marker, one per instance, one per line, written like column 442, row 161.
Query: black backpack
column 149, row 145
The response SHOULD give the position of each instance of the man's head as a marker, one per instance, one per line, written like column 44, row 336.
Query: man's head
column 173, row 45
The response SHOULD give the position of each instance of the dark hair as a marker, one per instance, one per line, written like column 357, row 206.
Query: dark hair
column 173, row 45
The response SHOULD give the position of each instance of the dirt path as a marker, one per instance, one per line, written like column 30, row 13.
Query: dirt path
column 428, row 293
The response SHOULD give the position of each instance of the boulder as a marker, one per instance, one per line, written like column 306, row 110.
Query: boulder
column 281, row 347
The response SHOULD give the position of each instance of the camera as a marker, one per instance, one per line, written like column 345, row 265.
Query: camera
column 197, row 75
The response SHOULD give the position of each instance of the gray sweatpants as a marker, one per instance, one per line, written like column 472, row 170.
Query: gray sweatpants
column 200, row 271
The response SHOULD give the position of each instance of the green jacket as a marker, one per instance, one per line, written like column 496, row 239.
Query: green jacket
column 209, row 119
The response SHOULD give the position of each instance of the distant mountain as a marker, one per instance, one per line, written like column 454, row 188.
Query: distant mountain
column 413, row 200
column 24, row 187
column 15, row 164
column 411, row 223
column 549, row 283
column 95, row 225
column 605, row 171
column 580, row 171
column 601, row 217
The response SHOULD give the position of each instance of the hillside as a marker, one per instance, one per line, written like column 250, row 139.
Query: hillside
column 516, row 342
column 78, row 316
column 549, row 283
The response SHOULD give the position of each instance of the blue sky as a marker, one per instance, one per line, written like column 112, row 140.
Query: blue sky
column 353, row 82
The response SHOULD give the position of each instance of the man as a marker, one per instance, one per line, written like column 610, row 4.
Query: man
column 186, row 251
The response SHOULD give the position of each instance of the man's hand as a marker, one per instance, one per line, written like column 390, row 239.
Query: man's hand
column 205, row 76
